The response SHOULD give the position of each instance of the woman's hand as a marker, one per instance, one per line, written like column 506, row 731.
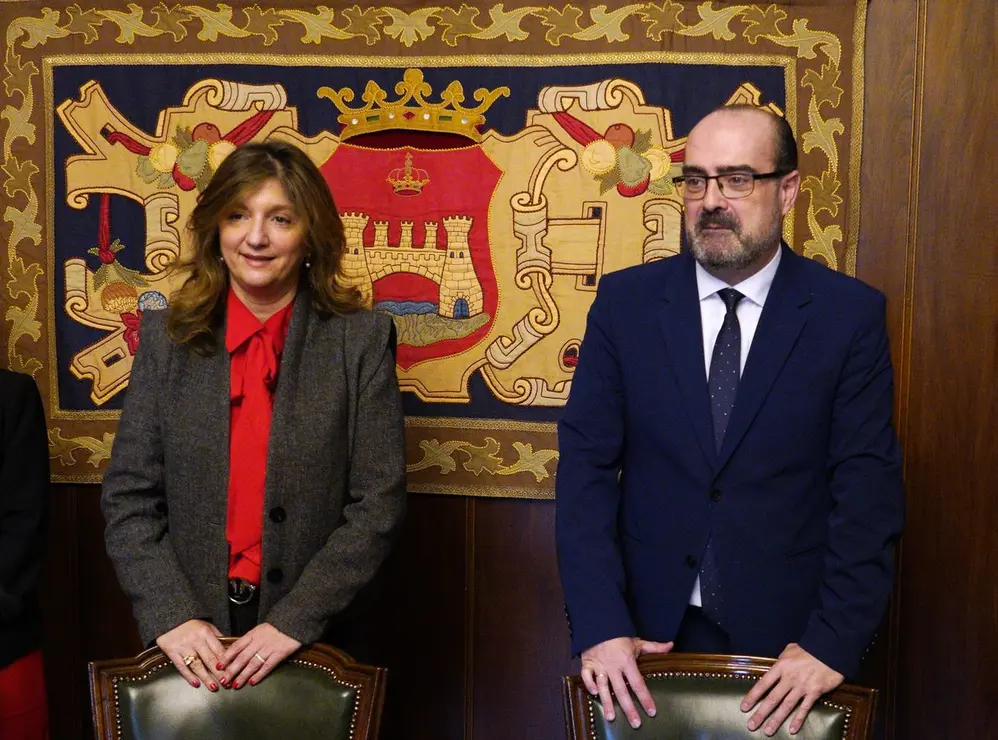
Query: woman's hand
column 195, row 649
column 250, row 658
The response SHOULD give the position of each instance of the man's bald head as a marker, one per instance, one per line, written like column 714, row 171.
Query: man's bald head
column 784, row 142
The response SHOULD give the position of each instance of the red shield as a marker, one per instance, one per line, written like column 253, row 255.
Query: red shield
column 426, row 240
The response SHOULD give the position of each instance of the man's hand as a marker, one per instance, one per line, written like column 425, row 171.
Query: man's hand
column 610, row 667
column 797, row 678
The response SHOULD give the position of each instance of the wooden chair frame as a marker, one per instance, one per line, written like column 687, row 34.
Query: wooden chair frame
column 859, row 703
column 369, row 682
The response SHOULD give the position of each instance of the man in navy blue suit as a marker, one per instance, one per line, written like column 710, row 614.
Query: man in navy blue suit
column 729, row 477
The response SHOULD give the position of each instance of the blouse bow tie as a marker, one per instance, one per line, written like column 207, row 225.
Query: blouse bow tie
column 260, row 367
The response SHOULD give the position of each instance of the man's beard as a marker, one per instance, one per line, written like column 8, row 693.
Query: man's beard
column 749, row 250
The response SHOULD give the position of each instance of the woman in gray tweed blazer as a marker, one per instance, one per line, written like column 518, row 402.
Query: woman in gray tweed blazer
column 267, row 242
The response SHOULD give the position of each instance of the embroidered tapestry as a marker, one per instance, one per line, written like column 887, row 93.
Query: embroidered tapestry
column 491, row 161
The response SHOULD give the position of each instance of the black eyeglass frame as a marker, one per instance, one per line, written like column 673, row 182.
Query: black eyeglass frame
column 679, row 181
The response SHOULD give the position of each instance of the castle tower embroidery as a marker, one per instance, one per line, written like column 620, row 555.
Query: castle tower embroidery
column 460, row 295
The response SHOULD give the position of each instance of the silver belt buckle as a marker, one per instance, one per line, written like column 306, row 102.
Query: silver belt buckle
column 241, row 591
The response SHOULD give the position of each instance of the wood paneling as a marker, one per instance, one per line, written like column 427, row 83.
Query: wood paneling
column 949, row 622
column 107, row 628
column 521, row 635
column 890, row 139
column 419, row 622
column 60, row 597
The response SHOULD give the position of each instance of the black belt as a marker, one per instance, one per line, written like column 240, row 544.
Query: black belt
column 243, row 616
column 241, row 591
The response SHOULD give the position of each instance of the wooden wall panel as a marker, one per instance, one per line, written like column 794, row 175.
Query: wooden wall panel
column 107, row 628
column 949, row 624
column 890, row 137
column 419, row 621
column 889, row 134
column 60, row 596
column 521, row 646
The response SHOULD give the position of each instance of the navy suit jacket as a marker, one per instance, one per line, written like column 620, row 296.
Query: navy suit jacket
column 804, row 500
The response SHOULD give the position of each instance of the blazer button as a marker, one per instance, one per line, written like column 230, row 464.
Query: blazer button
column 162, row 508
column 716, row 495
column 277, row 514
column 275, row 575
column 691, row 561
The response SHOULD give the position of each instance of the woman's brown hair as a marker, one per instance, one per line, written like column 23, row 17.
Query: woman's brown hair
column 196, row 308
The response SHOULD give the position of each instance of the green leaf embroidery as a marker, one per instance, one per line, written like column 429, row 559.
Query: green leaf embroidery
column 193, row 160
column 642, row 140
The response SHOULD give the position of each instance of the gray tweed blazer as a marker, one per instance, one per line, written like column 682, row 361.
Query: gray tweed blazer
column 335, row 485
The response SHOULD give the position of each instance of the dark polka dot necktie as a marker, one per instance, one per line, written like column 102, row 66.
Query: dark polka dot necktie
column 725, row 370
column 725, row 365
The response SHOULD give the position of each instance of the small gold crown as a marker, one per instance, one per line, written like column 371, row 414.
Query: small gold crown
column 408, row 180
column 412, row 110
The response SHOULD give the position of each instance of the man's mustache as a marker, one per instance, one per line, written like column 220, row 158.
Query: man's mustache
column 717, row 219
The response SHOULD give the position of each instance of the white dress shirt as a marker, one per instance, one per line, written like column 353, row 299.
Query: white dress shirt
column 712, row 310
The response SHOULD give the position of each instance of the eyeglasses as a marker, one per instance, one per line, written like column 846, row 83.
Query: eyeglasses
column 732, row 184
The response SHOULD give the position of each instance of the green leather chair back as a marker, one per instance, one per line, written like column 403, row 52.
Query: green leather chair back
column 698, row 698
column 319, row 693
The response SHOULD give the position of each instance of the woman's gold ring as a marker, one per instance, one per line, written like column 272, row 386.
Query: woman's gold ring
column 190, row 659
column 261, row 658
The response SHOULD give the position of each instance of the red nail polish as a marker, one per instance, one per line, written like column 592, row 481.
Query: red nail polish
column 252, row 682
column 196, row 684
column 213, row 687
column 218, row 666
column 235, row 685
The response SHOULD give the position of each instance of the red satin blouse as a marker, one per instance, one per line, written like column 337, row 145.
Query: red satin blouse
column 255, row 350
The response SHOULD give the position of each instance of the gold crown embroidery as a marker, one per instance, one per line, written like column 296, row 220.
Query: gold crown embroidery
column 412, row 110
column 408, row 180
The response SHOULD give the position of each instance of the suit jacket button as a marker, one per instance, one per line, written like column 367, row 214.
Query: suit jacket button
column 691, row 561
column 277, row 514
column 162, row 508
column 275, row 575
column 716, row 494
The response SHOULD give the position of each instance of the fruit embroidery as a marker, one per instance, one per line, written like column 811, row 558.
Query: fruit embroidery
column 623, row 158
column 118, row 285
column 191, row 157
